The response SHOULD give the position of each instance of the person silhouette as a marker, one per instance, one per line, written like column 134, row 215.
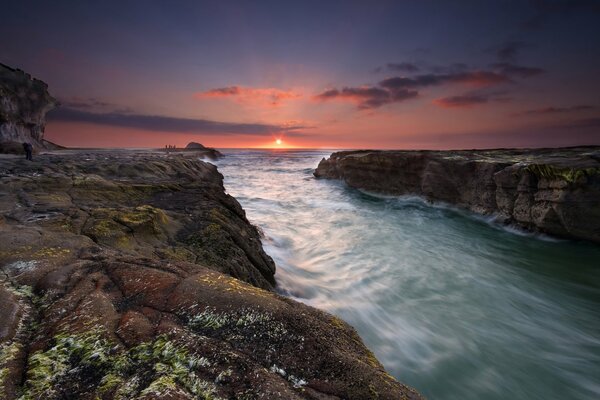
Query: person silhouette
column 28, row 151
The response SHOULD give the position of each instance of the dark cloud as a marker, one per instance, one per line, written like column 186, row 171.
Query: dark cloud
column 368, row 97
column 475, row 78
column 170, row 124
column 462, row 101
column 92, row 104
column 520, row 71
column 401, row 88
column 557, row 110
column 468, row 100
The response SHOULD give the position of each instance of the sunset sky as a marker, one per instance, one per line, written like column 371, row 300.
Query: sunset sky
column 334, row 74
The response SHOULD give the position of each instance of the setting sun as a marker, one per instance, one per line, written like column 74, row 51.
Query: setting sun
column 278, row 142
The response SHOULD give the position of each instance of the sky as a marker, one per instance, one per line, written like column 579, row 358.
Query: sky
column 313, row 74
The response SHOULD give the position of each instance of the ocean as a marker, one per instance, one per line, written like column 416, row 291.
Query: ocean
column 451, row 303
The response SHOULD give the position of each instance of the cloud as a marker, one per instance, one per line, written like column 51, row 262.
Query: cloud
column 471, row 99
column 93, row 104
column 367, row 96
column 172, row 124
column 400, row 88
column 462, row 101
column 472, row 78
column 270, row 96
column 520, row 71
column 556, row 110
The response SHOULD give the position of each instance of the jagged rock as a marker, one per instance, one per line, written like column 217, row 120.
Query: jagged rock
column 24, row 102
column 556, row 191
column 119, row 281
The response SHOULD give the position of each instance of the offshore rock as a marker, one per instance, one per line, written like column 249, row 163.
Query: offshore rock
column 133, row 275
column 24, row 102
column 555, row 191
column 199, row 150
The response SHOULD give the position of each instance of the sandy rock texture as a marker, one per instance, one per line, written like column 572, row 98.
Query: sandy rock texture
column 133, row 275
column 556, row 191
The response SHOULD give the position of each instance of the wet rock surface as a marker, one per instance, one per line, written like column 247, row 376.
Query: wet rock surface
column 555, row 191
column 134, row 275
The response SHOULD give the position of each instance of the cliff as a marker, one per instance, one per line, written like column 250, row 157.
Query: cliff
column 556, row 191
column 134, row 275
column 24, row 102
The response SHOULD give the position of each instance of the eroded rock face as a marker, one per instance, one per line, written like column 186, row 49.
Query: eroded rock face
column 556, row 191
column 118, row 283
column 24, row 102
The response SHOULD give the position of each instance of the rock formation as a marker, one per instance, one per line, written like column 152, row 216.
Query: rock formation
column 134, row 275
column 199, row 150
column 556, row 191
column 194, row 145
column 24, row 102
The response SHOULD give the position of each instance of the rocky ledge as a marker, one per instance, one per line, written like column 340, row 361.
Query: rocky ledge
column 134, row 275
column 556, row 191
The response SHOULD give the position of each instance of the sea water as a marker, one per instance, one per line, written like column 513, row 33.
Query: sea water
column 451, row 304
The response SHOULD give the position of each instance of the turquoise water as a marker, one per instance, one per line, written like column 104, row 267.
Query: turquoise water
column 451, row 304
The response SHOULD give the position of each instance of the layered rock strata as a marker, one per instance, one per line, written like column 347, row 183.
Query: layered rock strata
column 556, row 191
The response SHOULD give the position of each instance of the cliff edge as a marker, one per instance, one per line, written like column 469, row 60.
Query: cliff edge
column 556, row 191
column 24, row 102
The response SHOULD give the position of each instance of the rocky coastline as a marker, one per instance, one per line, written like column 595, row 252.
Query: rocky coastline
column 554, row 191
column 134, row 275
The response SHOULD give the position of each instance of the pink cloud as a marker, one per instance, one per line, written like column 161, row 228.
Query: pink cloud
column 269, row 96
